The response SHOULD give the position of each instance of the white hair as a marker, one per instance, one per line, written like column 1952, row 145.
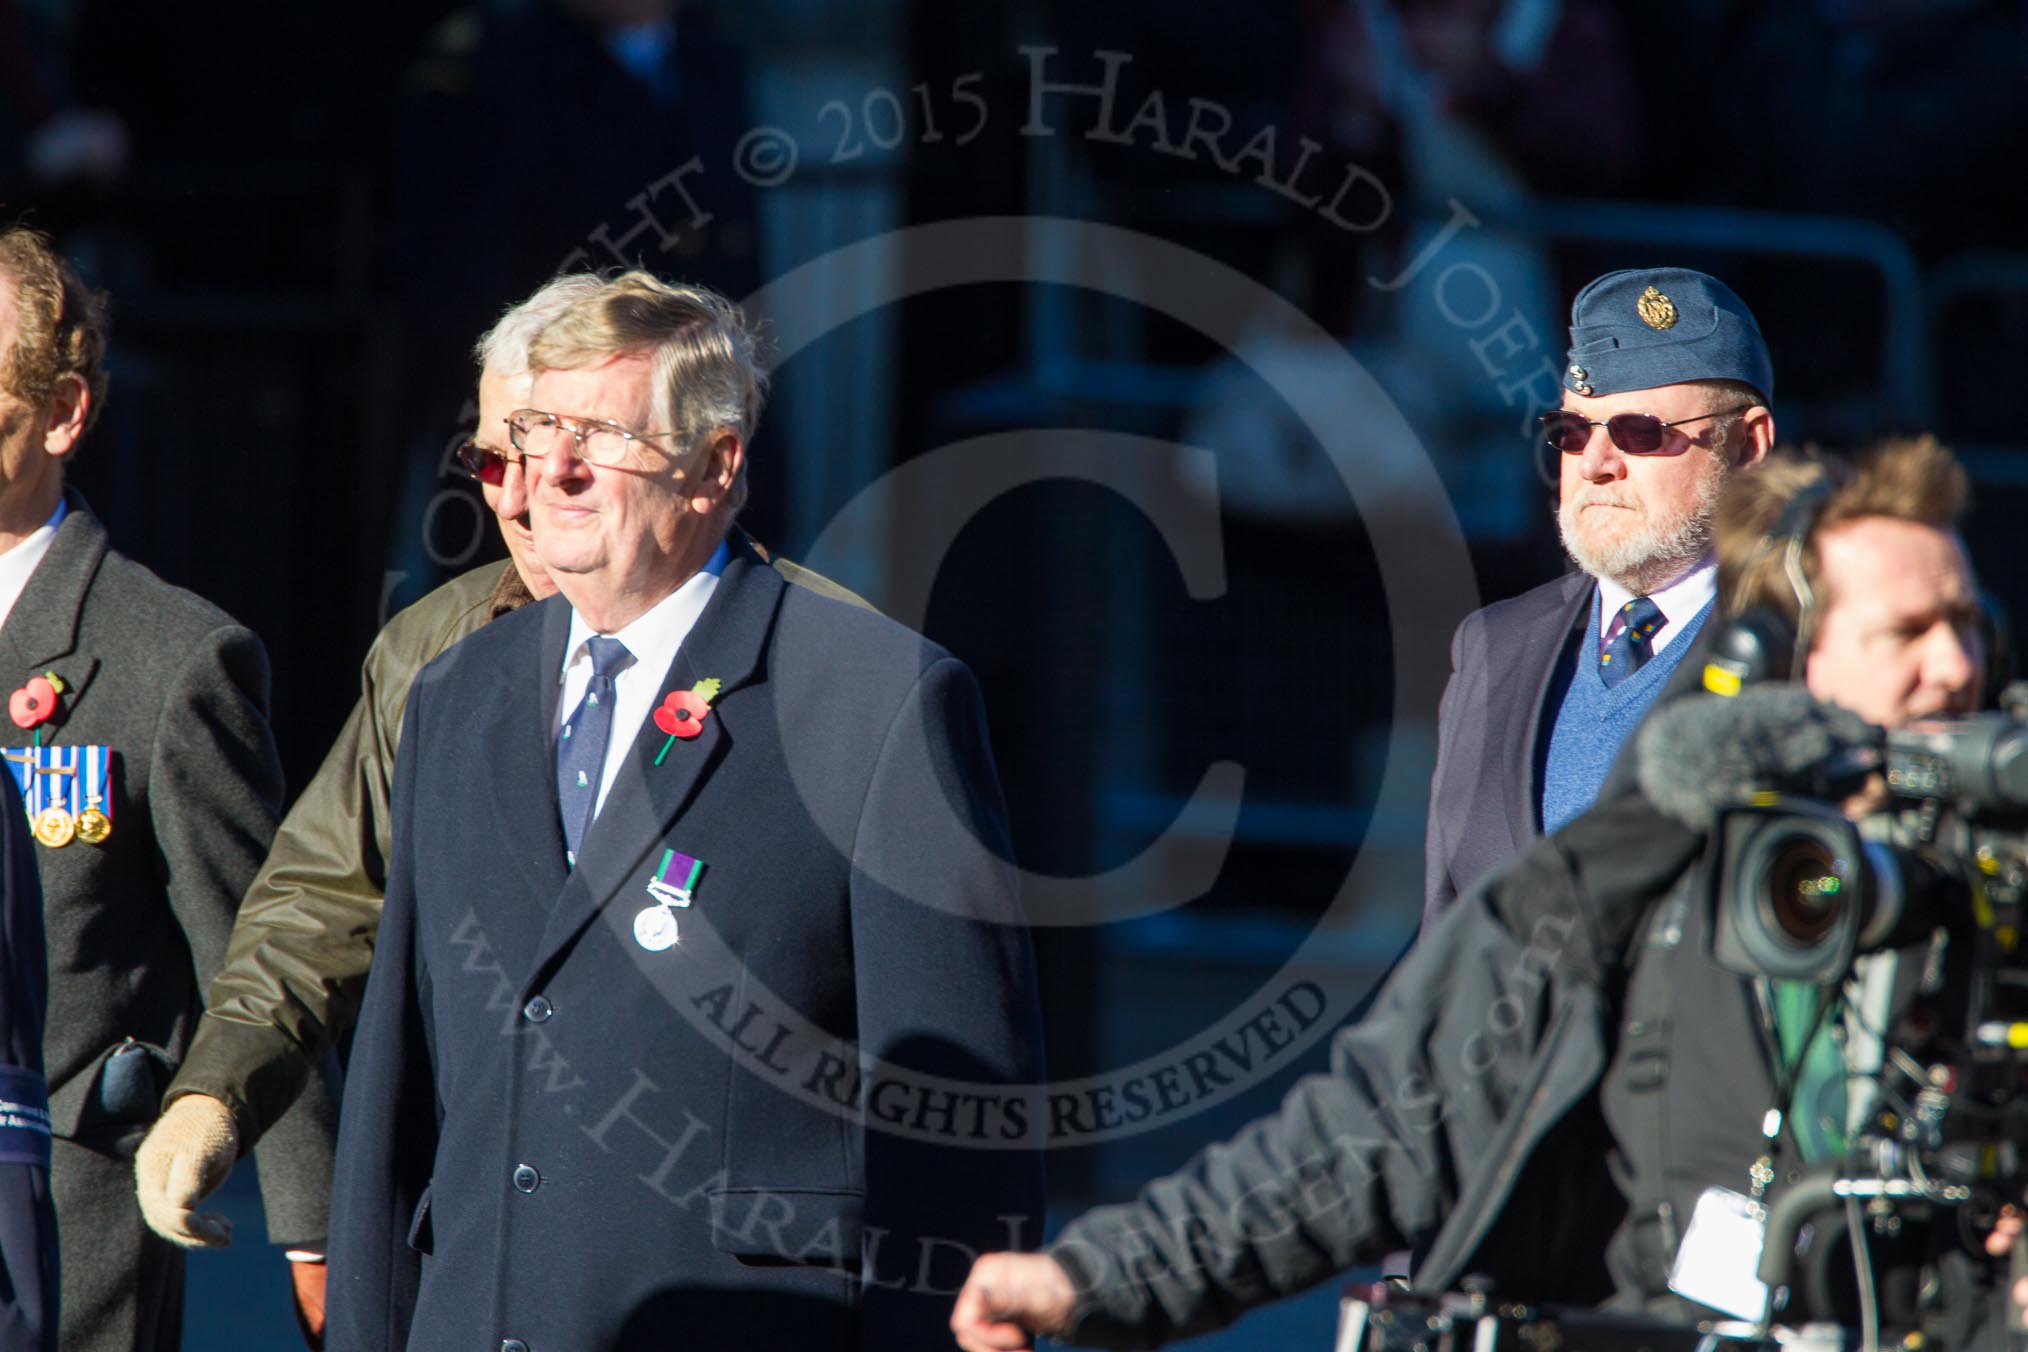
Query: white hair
column 503, row 349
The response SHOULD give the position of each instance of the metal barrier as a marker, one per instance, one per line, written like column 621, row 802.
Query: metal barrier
column 1065, row 360
column 1904, row 347
column 1950, row 283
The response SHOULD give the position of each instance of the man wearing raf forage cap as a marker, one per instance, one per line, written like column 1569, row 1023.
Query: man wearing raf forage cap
column 1664, row 397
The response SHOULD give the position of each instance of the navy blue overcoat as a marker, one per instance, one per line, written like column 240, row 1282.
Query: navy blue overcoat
column 791, row 1127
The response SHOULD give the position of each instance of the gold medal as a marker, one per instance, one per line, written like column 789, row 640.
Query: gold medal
column 93, row 826
column 55, row 828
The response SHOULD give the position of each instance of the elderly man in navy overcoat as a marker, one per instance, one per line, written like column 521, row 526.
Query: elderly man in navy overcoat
column 703, row 1014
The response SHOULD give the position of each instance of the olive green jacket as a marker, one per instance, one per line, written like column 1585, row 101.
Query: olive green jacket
column 296, row 965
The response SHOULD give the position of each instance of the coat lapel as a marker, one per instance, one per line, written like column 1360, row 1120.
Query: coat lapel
column 1545, row 648
column 728, row 642
column 523, row 769
column 41, row 631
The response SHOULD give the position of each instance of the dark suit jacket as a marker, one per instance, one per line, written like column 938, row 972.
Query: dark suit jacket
column 1507, row 662
column 1482, row 798
column 28, row 1259
column 555, row 1136
column 138, row 924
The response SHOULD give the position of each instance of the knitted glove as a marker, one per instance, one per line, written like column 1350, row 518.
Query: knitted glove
column 186, row 1155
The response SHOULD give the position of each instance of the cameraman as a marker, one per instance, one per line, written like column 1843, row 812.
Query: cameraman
column 1553, row 1078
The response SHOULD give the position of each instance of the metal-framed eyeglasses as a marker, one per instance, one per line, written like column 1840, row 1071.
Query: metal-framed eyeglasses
column 1634, row 433
column 596, row 441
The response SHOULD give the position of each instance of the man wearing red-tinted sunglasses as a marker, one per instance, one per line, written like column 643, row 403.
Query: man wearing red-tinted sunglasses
column 1665, row 395
column 304, row 935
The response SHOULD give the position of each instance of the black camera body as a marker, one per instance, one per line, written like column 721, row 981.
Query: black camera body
column 1978, row 766
column 1798, row 890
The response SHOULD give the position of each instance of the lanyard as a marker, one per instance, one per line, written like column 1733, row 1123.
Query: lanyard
column 1788, row 1073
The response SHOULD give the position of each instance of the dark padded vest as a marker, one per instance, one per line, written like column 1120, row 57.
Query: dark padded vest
column 1684, row 1095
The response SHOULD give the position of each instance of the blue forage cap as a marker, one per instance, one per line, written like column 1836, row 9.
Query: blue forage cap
column 1644, row 327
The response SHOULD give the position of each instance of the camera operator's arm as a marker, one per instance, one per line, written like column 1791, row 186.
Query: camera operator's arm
column 1010, row 1296
column 1581, row 894
column 1337, row 1176
column 1420, row 1105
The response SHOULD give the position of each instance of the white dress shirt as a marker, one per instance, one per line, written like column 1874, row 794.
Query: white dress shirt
column 653, row 640
column 17, row 565
column 1680, row 601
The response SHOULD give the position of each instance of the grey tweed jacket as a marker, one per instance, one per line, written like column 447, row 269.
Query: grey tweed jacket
column 137, row 925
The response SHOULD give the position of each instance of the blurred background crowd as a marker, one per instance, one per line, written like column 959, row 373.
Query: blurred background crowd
column 306, row 212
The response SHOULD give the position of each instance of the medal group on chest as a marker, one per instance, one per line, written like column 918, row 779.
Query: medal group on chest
column 67, row 790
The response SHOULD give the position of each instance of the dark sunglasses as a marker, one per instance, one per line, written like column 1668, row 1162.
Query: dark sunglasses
column 483, row 463
column 1634, row 433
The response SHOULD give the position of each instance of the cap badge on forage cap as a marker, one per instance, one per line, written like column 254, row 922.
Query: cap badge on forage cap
column 1647, row 327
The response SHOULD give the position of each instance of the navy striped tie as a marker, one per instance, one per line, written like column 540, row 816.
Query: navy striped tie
column 581, row 746
column 1634, row 644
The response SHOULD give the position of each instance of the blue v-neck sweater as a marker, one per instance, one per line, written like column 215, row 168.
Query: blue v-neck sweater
column 1593, row 722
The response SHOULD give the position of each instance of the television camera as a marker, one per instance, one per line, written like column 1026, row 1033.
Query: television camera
column 1801, row 891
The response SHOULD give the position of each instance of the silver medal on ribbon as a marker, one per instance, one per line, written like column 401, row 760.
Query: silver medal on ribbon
column 655, row 928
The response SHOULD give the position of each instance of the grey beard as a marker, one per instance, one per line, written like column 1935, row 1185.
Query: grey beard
column 1652, row 556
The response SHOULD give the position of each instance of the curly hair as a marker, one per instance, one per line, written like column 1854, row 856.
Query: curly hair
column 60, row 323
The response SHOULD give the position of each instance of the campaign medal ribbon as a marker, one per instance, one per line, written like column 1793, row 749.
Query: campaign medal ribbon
column 66, row 792
column 52, row 795
column 655, row 926
column 95, row 819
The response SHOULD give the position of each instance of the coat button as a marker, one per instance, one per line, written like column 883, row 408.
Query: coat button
column 513, row 1345
column 538, row 1010
column 525, row 1178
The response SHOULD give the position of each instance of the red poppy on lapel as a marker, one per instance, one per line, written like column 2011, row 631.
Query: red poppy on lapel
column 681, row 713
column 35, row 701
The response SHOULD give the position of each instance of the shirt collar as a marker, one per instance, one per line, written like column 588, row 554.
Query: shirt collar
column 18, row 564
column 655, row 635
column 1680, row 600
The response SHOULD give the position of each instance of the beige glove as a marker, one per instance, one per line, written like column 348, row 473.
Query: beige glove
column 186, row 1155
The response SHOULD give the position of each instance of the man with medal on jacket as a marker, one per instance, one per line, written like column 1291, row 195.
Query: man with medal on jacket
column 137, row 731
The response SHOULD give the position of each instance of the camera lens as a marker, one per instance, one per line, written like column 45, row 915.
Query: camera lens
column 1806, row 890
column 1791, row 887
